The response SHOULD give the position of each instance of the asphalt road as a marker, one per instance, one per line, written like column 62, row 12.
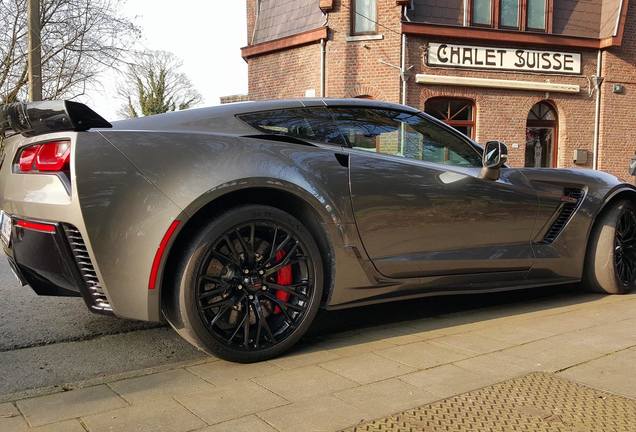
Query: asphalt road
column 47, row 342
column 28, row 320
column 51, row 341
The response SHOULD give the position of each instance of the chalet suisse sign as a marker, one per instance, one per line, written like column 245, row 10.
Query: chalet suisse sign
column 508, row 59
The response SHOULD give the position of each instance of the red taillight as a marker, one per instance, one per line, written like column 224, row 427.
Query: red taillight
column 54, row 156
column 27, row 157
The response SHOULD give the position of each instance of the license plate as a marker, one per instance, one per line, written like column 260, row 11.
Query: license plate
column 5, row 228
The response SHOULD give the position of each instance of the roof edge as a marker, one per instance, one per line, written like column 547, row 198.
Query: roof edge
column 299, row 39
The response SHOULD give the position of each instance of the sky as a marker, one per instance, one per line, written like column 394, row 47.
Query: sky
column 205, row 34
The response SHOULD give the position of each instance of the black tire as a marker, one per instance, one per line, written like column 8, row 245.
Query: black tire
column 610, row 265
column 216, row 296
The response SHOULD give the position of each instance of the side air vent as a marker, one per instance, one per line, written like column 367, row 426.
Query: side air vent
column 97, row 299
column 571, row 200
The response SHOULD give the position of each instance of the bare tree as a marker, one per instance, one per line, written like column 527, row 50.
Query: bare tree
column 156, row 85
column 80, row 39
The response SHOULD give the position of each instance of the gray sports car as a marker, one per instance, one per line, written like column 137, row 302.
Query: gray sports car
column 237, row 223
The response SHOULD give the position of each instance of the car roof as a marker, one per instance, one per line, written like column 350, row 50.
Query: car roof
column 222, row 118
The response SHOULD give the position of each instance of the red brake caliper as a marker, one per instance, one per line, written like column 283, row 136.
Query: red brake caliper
column 283, row 277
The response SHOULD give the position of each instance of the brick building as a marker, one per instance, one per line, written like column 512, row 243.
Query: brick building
column 554, row 79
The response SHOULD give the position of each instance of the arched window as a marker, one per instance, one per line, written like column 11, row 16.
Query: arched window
column 456, row 112
column 541, row 136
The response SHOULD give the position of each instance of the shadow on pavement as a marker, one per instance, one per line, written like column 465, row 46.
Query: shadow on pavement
column 473, row 308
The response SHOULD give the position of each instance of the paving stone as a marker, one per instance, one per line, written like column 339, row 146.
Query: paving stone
column 418, row 336
column 304, row 383
column 13, row 424
column 244, row 424
column 231, row 402
column 608, row 313
column 395, row 334
column 160, row 385
column 514, row 334
column 358, row 344
column 473, row 342
column 424, row 355
column 304, row 357
column 554, row 354
column 606, row 338
column 363, row 348
column 498, row 366
column 613, row 373
column 560, row 323
column 155, row 416
column 386, row 397
column 65, row 426
column 8, row 410
column 71, row 404
column 419, row 331
column 326, row 413
column 222, row 373
column 367, row 368
column 447, row 380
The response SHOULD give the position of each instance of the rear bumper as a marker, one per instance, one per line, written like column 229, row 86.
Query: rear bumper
column 55, row 264
column 112, row 218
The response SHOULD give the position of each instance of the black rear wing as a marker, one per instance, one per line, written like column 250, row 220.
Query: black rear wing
column 37, row 118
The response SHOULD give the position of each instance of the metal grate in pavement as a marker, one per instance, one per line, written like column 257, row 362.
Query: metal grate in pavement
column 534, row 403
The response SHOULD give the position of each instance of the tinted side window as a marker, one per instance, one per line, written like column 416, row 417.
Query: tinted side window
column 404, row 134
column 313, row 124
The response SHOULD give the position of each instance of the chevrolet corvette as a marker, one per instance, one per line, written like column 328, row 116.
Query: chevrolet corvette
column 236, row 224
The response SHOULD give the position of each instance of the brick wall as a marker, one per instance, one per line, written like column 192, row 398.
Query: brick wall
column 618, row 135
column 502, row 114
column 285, row 74
column 353, row 67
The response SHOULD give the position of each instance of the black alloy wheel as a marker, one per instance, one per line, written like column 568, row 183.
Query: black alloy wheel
column 625, row 248
column 249, row 284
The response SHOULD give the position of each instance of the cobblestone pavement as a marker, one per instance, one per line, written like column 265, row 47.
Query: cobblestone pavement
column 350, row 378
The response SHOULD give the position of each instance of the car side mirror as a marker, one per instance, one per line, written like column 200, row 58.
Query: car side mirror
column 632, row 166
column 495, row 157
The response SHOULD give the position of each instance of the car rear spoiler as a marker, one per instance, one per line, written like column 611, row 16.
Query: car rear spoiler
column 37, row 118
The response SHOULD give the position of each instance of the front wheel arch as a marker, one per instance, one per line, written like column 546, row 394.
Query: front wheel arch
column 608, row 202
column 280, row 199
column 590, row 275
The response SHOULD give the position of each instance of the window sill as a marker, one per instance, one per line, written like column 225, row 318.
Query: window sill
column 359, row 38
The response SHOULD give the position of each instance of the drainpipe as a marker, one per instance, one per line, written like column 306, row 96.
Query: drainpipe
column 597, row 113
column 403, row 71
column 323, row 67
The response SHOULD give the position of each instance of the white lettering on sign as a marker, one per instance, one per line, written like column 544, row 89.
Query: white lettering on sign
column 512, row 59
